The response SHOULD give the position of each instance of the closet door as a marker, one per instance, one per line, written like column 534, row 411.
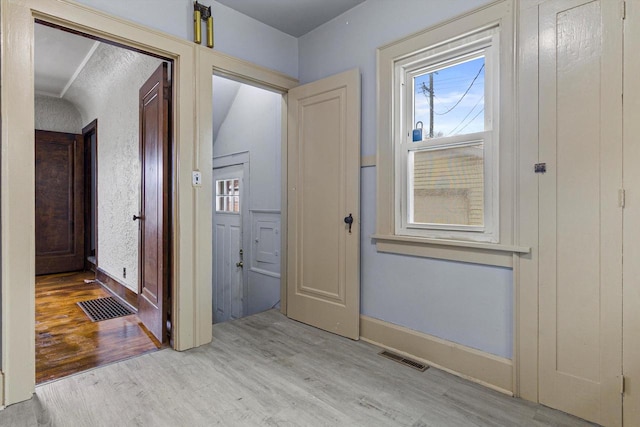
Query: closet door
column 631, row 244
column 580, row 209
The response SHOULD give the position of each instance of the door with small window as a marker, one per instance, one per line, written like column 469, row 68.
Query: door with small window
column 228, row 263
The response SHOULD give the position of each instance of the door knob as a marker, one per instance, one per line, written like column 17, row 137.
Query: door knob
column 240, row 264
column 136, row 217
column 349, row 220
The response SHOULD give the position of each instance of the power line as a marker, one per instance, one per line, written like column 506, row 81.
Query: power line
column 464, row 94
column 465, row 117
column 471, row 121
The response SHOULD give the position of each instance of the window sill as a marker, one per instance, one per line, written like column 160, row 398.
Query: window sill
column 454, row 250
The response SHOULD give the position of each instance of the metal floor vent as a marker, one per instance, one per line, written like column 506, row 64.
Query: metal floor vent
column 104, row 309
column 400, row 359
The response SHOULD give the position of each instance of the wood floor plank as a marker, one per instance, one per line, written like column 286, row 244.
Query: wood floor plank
column 67, row 341
column 267, row 370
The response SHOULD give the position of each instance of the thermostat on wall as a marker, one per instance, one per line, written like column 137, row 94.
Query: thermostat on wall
column 197, row 179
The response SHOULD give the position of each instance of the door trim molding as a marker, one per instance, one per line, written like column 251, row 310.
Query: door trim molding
column 231, row 159
column 208, row 63
column 17, row 173
column 525, row 267
column 88, row 130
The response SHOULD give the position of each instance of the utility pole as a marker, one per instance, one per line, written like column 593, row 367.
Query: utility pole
column 430, row 105
column 428, row 91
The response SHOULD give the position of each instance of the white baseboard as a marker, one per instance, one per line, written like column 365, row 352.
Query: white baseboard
column 475, row 365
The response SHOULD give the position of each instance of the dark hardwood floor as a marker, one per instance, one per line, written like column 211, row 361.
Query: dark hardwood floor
column 67, row 341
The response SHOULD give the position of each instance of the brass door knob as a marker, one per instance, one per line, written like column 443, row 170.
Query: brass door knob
column 240, row 264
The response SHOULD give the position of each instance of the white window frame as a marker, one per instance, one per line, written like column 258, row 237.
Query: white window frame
column 483, row 43
column 496, row 246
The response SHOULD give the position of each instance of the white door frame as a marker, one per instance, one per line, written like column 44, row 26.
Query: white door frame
column 189, row 274
column 241, row 159
column 211, row 62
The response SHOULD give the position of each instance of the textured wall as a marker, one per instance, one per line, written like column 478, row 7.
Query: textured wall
column 107, row 89
column 58, row 115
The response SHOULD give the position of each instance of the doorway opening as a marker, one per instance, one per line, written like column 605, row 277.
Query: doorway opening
column 90, row 141
column 108, row 197
column 247, row 138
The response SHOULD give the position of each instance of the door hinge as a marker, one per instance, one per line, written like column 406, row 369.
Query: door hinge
column 621, row 197
column 622, row 384
column 623, row 10
column 540, row 168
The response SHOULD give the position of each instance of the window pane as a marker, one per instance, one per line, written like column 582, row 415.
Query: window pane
column 451, row 98
column 448, row 186
column 228, row 195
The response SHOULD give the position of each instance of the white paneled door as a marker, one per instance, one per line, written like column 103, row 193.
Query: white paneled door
column 228, row 262
column 580, row 209
column 323, row 153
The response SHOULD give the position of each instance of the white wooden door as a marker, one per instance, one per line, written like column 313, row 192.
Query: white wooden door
column 580, row 216
column 228, row 288
column 323, row 189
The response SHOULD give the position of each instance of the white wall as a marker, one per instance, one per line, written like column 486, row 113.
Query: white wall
column 57, row 115
column 253, row 123
column 107, row 89
column 235, row 34
column 465, row 303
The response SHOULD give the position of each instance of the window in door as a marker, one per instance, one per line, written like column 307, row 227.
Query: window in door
column 228, row 195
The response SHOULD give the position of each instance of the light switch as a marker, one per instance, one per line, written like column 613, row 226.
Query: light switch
column 197, row 178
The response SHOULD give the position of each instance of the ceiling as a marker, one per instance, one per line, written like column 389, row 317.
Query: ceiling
column 225, row 91
column 294, row 17
column 59, row 57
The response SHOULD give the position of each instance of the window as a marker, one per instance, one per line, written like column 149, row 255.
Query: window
column 446, row 138
column 228, row 195
column 446, row 147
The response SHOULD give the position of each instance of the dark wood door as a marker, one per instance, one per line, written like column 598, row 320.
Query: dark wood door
column 59, row 202
column 153, row 299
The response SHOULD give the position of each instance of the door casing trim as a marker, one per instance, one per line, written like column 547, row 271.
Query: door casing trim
column 17, row 177
column 210, row 62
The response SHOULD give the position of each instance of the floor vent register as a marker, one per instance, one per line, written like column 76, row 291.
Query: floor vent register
column 104, row 309
column 403, row 360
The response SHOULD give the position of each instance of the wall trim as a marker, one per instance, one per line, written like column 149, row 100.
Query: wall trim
column 2, row 404
column 368, row 161
column 231, row 159
column 191, row 271
column 483, row 368
column 117, row 288
column 264, row 272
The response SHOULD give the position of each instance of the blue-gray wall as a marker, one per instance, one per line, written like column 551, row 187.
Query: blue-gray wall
column 235, row 34
column 466, row 303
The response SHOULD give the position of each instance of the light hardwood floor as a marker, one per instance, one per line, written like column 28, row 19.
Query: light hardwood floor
column 269, row 370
